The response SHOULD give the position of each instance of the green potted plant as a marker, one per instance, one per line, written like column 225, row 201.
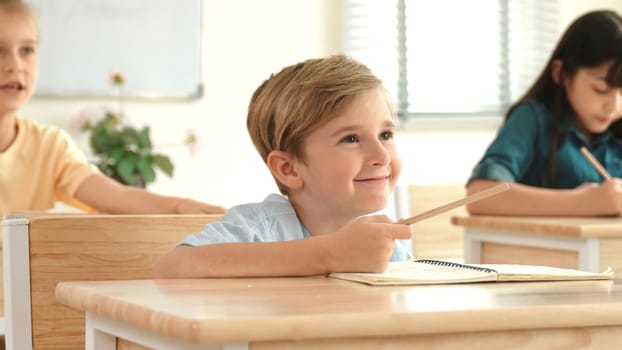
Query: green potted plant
column 123, row 152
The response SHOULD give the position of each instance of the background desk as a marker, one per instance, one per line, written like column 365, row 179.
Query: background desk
column 589, row 244
column 319, row 312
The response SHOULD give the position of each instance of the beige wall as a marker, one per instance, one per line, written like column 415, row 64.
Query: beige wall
column 244, row 41
column 570, row 9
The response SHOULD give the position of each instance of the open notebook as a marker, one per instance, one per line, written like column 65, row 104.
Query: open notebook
column 426, row 271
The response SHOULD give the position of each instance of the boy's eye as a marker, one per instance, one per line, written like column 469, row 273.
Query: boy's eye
column 350, row 139
column 387, row 135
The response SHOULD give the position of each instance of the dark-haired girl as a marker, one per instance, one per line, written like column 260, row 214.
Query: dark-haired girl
column 575, row 102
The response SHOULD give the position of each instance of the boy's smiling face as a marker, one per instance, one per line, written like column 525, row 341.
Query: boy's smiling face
column 350, row 164
column 18, row 60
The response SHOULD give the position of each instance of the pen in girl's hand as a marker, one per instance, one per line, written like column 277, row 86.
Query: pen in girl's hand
column 590, row 158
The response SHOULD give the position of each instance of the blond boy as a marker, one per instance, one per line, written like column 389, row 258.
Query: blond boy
column 324, row 128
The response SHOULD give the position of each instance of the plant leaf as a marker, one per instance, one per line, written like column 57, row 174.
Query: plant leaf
column 125, row 168
column 116, row 153
column 146, row 169
column 144, row 139
column 164, row 163
column 129, row 136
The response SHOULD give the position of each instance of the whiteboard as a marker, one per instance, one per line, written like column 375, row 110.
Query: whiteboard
column 156, row 44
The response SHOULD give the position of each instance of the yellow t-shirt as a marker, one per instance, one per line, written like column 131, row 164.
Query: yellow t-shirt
column 42, row 163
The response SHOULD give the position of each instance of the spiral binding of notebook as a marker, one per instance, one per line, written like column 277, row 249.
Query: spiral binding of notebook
column 453, row 264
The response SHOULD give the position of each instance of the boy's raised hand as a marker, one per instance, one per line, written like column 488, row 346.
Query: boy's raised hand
column 365, row 244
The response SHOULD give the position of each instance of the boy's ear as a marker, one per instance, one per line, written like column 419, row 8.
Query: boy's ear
column 282, row 166
column 556, row 71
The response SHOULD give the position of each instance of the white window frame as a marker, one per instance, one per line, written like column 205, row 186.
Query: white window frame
column 529, row 29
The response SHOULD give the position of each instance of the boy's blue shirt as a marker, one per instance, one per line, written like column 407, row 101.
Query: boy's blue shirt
column 272, row 220
column 519, row 152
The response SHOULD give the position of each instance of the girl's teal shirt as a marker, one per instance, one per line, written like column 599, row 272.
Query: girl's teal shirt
column 519, row 152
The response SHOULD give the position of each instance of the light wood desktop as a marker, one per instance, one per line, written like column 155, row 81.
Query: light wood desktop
column 590, row 244
column 320, row 312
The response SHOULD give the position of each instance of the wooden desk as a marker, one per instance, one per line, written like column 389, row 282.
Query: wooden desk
column 318, row 312
column 590, row 244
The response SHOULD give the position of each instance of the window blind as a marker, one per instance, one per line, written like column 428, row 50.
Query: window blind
column 452, row 57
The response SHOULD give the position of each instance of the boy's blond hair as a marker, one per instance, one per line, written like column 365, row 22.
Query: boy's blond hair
column 300, row 98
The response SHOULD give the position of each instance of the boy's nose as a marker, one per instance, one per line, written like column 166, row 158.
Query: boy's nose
column 379, row 154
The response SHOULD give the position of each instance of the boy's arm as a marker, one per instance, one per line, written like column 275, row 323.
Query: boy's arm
column 603, row 199
column 108, row 196
column 364, row 245
column 303, row 257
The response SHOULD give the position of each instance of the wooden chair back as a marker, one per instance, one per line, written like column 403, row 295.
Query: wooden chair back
column 78, row 247
column 436, row 237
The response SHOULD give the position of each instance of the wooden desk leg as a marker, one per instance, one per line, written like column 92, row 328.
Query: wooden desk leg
column 16, row 284
column 589, row 255
column 95, row 339
column 102, row 333
column 472, row 247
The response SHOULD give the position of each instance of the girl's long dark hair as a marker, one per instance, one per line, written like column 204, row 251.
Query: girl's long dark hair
column 593, row 39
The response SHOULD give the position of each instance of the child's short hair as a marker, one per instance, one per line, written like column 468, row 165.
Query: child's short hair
column 18, row 7
column 300, row 98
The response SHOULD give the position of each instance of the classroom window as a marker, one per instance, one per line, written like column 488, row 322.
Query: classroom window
column 452, row 57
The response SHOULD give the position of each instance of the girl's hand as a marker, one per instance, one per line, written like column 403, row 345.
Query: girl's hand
column 603, row 199
column 365, row 244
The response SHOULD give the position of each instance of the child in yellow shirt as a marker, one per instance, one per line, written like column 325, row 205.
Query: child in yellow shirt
column 38, row 162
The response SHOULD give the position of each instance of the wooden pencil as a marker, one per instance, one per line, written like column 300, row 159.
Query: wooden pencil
column 464, row 201
column 595, row 163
